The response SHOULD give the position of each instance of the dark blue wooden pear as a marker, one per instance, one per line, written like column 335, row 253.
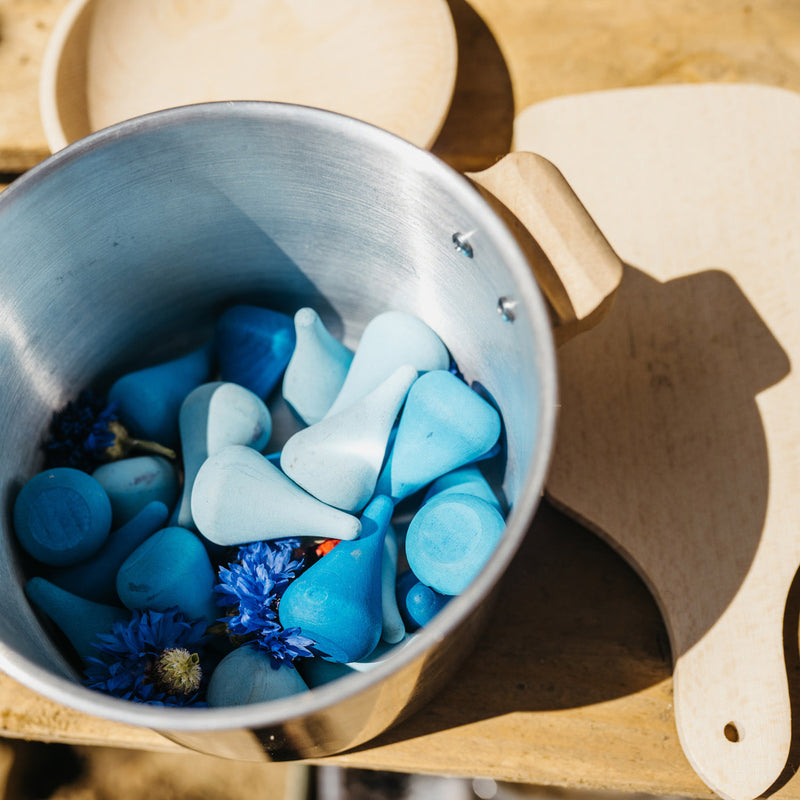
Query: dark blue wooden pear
column 254, row 346
column 96, row 578
column 337, row 601
column 148, row 400
column 80, row 620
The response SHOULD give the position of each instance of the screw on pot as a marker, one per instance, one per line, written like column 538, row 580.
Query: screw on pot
column 461, row 241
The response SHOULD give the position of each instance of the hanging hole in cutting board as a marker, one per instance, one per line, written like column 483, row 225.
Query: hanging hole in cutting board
column 731, row 732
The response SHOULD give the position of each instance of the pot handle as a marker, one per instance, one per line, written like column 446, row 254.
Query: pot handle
column 574, row 265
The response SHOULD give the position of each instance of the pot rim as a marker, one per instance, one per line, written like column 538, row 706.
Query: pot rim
column 81, row 698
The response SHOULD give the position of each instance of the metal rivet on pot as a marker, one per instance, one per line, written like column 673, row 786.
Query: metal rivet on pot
column 461, row 241
column 505, row 308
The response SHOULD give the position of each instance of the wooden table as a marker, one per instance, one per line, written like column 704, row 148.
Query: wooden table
column 571, row 684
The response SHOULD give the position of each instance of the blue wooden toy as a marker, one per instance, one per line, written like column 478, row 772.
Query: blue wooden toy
column 450, row 539
column 96, row 578
column 214, row 416
column 240, row 497
column 393, row 629
column 254, row 346
column 389, row 341
column 80, row 620
column 338, row 459
column 444, row 425
column 337, row 601
column 170, row 568
column 246, row 676
column 148, row 400
column 464, row 480
column 317, row 368
column 419, row 604
column 132, row 483
column 62, row 516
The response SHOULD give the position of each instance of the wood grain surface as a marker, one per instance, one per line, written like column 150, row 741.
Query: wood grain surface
column 571, row 684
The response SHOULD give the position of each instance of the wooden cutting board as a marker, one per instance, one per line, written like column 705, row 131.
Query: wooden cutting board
column 679, row 432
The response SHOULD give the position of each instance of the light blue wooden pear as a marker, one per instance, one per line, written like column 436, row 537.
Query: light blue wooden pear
column 419, row 604
column 148, row 400
column 317, row 368
column 393, row 629
column 240, row 497
column 450, row 539
column 444, row 425
column 338, row 460
column 389, row 341
column 464, row 480
column 80, row 620
column 170, row 568
column 246, row 676
column 337, row 601
column 214, row 416
column 132, row 483
column 254, row 346
column 62, row 516
column 96, row 578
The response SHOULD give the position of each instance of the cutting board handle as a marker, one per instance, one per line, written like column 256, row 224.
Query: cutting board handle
column 575, row 266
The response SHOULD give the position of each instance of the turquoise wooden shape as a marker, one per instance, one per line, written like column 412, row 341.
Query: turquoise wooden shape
column 337, row 601
column 79, row 619
column 214, row 416
column 148, row 400
column 240, row 497
column 317, row 368
column 338, row 459
column 170, row 568
column 450, row 539
column 96, row 578
column 62, row 516
column 393, row 629
column 246, row 676
column 464, row 480
column 419, row 604
column 254, row 346
column 389, row 341
column 444, row 425
column 132, row 483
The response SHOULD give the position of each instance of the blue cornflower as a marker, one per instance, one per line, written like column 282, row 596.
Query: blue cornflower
column 251, row 588
column 154, row 658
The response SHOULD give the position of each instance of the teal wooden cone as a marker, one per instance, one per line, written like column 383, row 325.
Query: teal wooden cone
column 62, row 516
column 254, row 346
column 389, row 341
column 80, row 620
column 148, row 400
column 132, row 483
column 338, row 460
column 393, row 628
column 444, row 425
column 317, row 368
column 337, row 601
column 246, row 676
column 240, row 497
column 214, row 416
column 464, row 480
column 450, row 539
column 96, row 578
column 170, row 568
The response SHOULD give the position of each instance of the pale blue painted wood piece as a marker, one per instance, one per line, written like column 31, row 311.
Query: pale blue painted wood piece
column 170, row 568
column 464, row 480
column 240, row 497
column 79, row 619
column 389, row 341
column 419, row 604
column 393, row 629
column 450, row 539
column 254, row 346
column 214, row 416
column 337, row 601
column 444, row 425
column 62, row 516
column 133, row 483
column 317, row 368
column 338, row 459
column 148, row 400
column 96, row 578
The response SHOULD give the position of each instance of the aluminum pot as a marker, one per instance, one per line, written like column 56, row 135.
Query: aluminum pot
column 124, row 247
